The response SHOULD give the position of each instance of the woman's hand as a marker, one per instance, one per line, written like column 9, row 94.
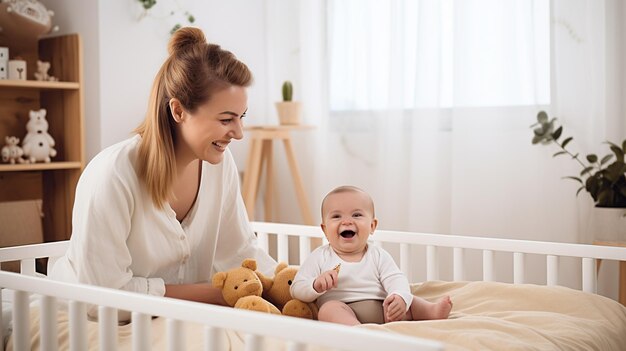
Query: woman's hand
column 326, row 281
column 200, row 292
column 394, row 308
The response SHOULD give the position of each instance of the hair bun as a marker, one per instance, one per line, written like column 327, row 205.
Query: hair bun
column 184, row 38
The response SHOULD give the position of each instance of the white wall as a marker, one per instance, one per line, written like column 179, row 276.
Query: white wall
column 122, row 54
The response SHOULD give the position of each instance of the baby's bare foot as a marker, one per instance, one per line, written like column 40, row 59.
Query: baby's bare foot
column 441, row 309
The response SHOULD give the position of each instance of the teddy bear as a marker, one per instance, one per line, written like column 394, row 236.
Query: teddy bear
column 42, row 72
column 276, row 290
column 12, row 152
column 38, row 144
column 242, row 288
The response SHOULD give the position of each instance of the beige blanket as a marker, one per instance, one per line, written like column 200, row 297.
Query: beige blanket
column 485, row 316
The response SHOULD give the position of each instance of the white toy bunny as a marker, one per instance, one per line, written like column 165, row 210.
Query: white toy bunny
column 38, row 144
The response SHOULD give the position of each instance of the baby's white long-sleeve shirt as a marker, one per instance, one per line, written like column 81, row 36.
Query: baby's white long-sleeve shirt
column 375, row 277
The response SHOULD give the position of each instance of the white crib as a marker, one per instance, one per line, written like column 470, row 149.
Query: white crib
column 298, row 334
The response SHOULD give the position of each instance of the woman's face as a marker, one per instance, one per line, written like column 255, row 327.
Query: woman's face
column 206, row 133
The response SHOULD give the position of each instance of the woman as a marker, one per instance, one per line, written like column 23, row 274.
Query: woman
column 161, row 212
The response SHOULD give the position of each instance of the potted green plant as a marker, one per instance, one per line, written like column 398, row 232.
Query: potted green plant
column 603, row 178
column 288, row 110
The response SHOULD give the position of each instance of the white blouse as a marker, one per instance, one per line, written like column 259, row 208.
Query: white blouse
column 375, row 277
column 121, row 240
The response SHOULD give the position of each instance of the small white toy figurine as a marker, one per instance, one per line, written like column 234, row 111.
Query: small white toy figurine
column 38, row 144
column 12, row 152
column 42, row 72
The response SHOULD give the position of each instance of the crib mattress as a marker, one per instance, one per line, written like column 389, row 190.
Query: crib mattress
column 485, row 316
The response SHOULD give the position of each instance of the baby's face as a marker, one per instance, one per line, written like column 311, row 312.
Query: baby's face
column 347, row 221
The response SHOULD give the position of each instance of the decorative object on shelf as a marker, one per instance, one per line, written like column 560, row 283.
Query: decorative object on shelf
column 12, row 152
column 38, row 144
column 42, row 72
column 17, row 69
column 149, row 4
column 288, row 110
column 25, row 21
column 604, row 181
column 4, row 62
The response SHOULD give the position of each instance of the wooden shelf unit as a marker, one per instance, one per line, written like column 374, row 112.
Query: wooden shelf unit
column 54, row 182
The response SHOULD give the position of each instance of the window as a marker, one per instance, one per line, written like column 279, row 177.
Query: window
column 408, row 54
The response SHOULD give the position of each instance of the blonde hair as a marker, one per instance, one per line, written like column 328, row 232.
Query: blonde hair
column 193, row 72
column 347, row 189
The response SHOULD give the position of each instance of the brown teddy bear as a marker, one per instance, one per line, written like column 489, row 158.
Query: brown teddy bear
column 276, row 290
column 242, row 288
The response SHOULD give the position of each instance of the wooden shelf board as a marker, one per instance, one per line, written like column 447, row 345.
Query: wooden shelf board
column 40, row 166
column 35, row 84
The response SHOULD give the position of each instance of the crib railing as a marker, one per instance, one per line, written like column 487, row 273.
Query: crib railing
column 258, row 325
column 459, row 244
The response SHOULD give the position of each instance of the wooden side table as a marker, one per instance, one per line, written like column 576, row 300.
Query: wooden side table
column 622, row 269
column 261, row 152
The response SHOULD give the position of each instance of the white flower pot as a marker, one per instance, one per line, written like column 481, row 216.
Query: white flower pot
column 289, row 112
column 608, row 224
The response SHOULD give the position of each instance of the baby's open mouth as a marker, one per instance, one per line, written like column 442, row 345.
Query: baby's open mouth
column 347, row 234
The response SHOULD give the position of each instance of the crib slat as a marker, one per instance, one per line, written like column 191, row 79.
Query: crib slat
column 48, row 323
column 283, row 248
column 458, row 270
column 305, row 248
column 405, row 262
column 489, row 273
column 432, row 263
column 175, row 335
column 27, row 266
column 552, row 270
column 21, row 321
column 107, row 326
column 589, row 275
column 263, row 239
column 253, row 343
column 78, row 326
column 1, row 320
column 212, row 339
column 142, row 340
column 518, row 268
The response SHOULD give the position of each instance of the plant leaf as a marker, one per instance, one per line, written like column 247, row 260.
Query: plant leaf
column 566, row 141
column 624, row 145
column 574, row 178
column 579, row 190
column 592, row 158
column 542, row 117
column 586, row 170
column 559, row 153
column 604, row 197
column 606, row 159
column 619, row 154
column 622, row 190
column 557, row 133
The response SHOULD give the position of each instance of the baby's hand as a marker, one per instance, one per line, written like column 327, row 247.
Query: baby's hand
column 394, row 307
column 326, row 281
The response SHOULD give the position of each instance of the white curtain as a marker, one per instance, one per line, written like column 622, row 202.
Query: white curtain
column 431, row 112
column 429, row 104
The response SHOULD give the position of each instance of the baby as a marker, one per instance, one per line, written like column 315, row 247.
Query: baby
column 372, row 289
